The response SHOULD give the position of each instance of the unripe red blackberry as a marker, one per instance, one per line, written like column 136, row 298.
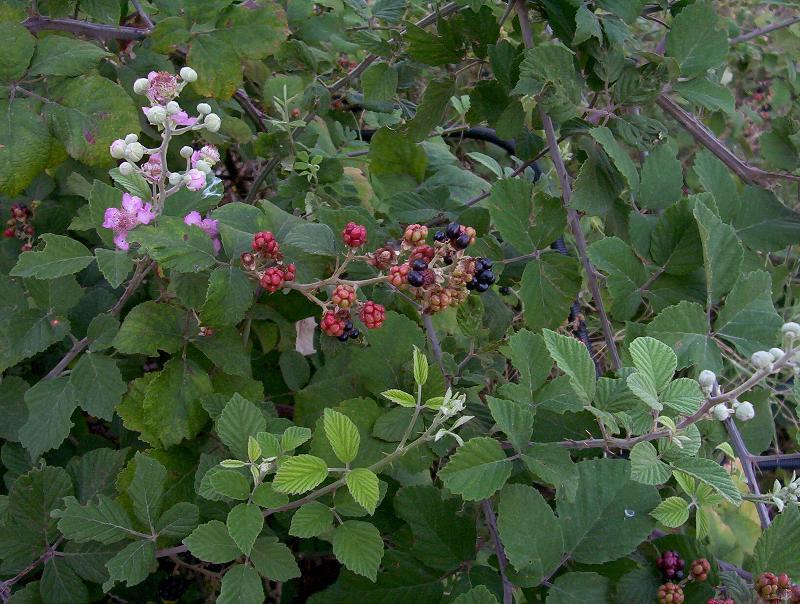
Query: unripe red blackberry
column 289, row 272
column 272, row 279
column 795, row 594
column 767, row 585
column 373, row 314
column 382, row 258
column 415, row 234
column 700, row 569
column 248, row 260
column 354, row 235
column 398, row 275
column 9, row 232
column 264, row 243
column 422, row 252
column 438, row 301
column 344, row 296
column 670, row 593
column 332, row 325
column 784, row 582
column 670, row 564
column 26, row 247
column 295, row 113
column 206, row 332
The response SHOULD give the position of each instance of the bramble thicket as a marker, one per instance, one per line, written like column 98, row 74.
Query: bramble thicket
column 388, row 301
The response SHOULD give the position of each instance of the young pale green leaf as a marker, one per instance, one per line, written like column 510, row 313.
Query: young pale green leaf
column 573, row 358
column 420, row 367
column 311, row 519
column 655, row 360
column 401, row 398
column 646, row 467
column 477, row 470
column 244, row 523
column 300, row 474
column 712, row 474
column 293, row 437
column 212, row 543
column 230, row 483
column 643, row 387
column 253, row 449
column 672, row 512
column 363, row 485
column 683, row 395
column 273, row 560
column 342, row 434
column 241, row 585
column 239, row 420
column 61, row 256
column 359, row 546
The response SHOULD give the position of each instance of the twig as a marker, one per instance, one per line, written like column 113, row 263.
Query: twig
column 747, row 465
column 260, row 178
column 143, row 13
column 436, row 346
column 764, row 30
column 94, row 30
column 502, row 560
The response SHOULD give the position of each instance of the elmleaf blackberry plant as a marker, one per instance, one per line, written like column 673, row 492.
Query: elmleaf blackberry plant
column 392, row 301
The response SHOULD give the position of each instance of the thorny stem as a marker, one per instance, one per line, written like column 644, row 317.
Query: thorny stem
column 739, row 446
column 502, row 560
column 764, row 30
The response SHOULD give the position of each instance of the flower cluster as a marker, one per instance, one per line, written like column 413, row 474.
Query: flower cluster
column 783, row 494
column 19, row 226
column 133, row 213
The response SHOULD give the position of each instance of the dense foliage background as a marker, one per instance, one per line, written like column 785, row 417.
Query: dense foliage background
column 172, row 432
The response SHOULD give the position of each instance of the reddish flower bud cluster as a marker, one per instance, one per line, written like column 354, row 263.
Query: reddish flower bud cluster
column 19, row 226
column 354, row 235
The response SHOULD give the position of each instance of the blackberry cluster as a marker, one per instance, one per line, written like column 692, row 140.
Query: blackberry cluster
column 484, row 277
column 172, row 589
column 699, row 569
column 19, row 226
column 670, row 593
column 671, row 565
column 350, row 332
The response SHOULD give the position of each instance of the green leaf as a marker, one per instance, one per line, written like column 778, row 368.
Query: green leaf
column 529, row 355
column 476, row 595
column 642, row 385
column 343, row 435
column 230, row 294
column 98, row 385
column 771, row 552
column 147, row 489
column 239, row 420
column 178, row 521
column 115, row 265
column 548, row 289
column 431, row 111
column 618, row 155
column 654, row 359
column 675, row 241
column 420, row 362
column 230, row 483
column 579, row 587
column 311, row 519
column 401, row 398
column 662, row 179
column 552, row 463
column 443, row 537
column 175, row 245
column 294, row 436
column 65, row 56
column 711, row 473
column 241, row 585
column 359, row 546
column 763, row 222
column 685, row 329
column 748, row 319
column 379, row 83
column 150, row 327
column 59, row 583
column 61, row 256
column 711, row 95
column 672, row 512
column 212, row 543
column 431, row 49
column 300, row 474
column 609, row 516
column 513, row 419
column 587, row 25
column 25, row 145
column 20, row 50
column 520, row 507
column 696, row 41
column 273, row 560
column 626, row 274
column 132, row 564
column 363, row 486
column 50, row 406
column 104, row 521
column 646, row 467
column 722, row 253
column 477, row 470
column 267, row 497
column 13, row 410
column 391, row 154
column 573, row 358
column 551, row 65
column 244, row 523
column 683, row 395
column 226, row 350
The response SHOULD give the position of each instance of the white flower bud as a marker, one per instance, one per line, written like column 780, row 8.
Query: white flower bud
column 173, row 107
column 212, row 122
column 707, row 378
column 202, row 166
column 776, row 353
column 745, row 412
column 721, row 412
column 791, row 329
column 761, row 359
column 203, row 108
column 186, row 151
column 131, row 138
column 126, row 168
column 134, row 152
column 156, row 115
column 117, row 149
column 188, row 74
column 141, row 86
column 175, row 178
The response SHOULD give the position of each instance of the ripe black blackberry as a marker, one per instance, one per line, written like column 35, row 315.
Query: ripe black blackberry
column 505, row 290
column 453, row 230
column 440, row 236
column 415, row 278
column 419, row 265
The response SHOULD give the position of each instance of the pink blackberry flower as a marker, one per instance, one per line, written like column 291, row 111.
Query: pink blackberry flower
column 208, row 225
column 133, row 213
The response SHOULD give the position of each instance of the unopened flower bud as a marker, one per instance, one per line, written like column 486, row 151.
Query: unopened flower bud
column 776, row 353
column 117, row 149
column 202, row 166
column 141, row 86
column 156, row 115
column 721, row 412
column 173, row 107
column 126, row 168
column 131, row 138
column 707, row 378
column 212, row 122
column 134, row 152
column 175, row 178
column 761, row 359
column 745, row 412
column 203, row 108
column 791, row 329
column 186, row 151
column 188, row 74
